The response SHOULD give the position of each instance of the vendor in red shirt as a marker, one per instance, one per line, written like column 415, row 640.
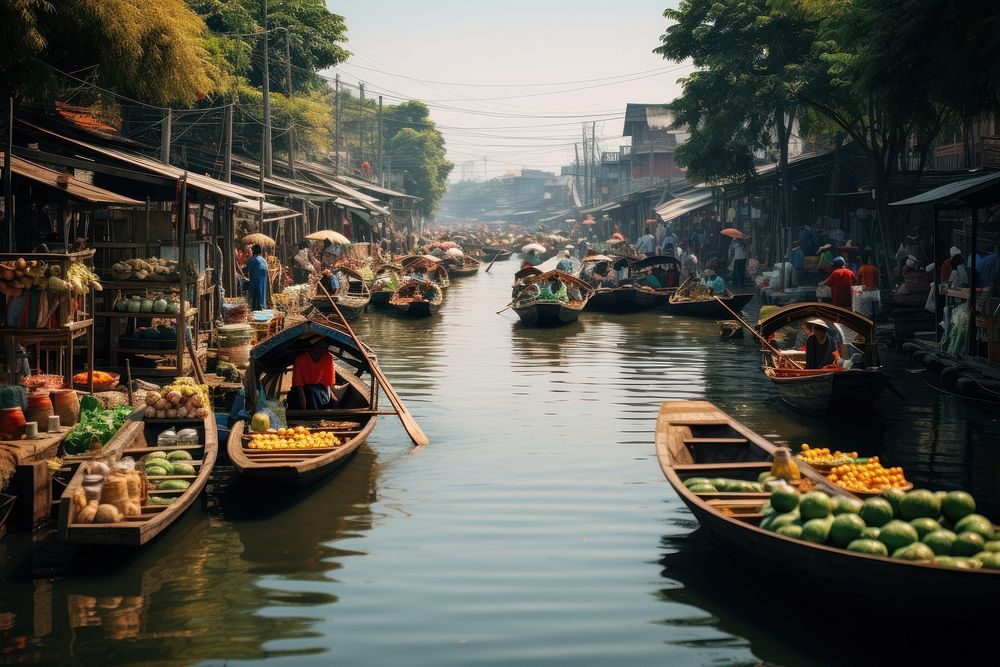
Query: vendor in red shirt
column 840, row 282
column 314, row 379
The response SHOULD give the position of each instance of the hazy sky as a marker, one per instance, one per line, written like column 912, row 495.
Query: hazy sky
column 512, row 81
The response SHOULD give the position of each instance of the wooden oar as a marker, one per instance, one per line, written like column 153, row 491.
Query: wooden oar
column 491, row 263
column 759, row 337
column 409, row 423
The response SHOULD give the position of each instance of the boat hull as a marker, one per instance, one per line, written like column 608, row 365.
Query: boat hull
column 709, row 307
column 547, row 314
column 850, row 390
column 417, row 308
column 381, row 298
column 350, row 312
column 626, row 300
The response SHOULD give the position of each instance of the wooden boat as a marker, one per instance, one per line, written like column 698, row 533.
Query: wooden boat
column 352, row 298
column 495, row 254
column 821, row 390
column 532, row 309
column 354, row 416
column 696, row 439
column 679, row 304
column 386, row 275
column 415, row 265
column 469, row 266
column 412, row 298
column 136, row 439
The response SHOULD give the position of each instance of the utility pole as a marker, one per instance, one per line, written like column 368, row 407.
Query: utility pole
column 8, row 184
column 361, row 122
column 265, row 167
column 288, row 89
column 576, row 150
column 168, row 120
column 227, row 159
column 336, row 127
column 586, row 169
column 486, row 170
column 594, row 159
column 381, row 175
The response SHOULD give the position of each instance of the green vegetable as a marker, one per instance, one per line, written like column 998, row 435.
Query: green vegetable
column 95, row 423
column 173, row 485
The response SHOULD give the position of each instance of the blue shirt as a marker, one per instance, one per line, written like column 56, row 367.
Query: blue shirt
column 716, row 284
column 669, row 239
column 797, row 258
column 985, row 268
column 565, row 265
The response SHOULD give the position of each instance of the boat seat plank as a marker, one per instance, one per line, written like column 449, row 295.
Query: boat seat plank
column 701, row 467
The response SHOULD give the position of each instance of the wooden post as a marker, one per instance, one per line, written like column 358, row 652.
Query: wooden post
column 381, row 178
column 182, row 268
column 940, row 250
column 973, row 245
column 336, row 128
column 165, row 131
column 288, row 89
column 227, row 157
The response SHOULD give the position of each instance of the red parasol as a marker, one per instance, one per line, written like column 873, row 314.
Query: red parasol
column 589, row 221
column 733, row 233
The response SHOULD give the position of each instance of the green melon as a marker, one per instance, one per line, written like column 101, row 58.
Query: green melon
column 915, row 552
column 846, row 505
column 179, row 455
column 785, row 498
column 181, row 468
column 968, row 544
column 702, row 488
column 876, row 512
column 919, row 504
column 925, row 526
column 975, row 523
column 897, row 534
column 895, row 497
column 872, row 547
column 989, row 559
column 845, row 529
column 957, row 505
column 155, row 471
column 695, row 480
column 791, row 530
column 870, row 533
column 940, row 541
column 776, row 521
column 815, row 505
column 817, row 530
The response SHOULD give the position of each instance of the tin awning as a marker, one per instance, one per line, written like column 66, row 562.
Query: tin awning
column 69, row 186
column 972, row 192
column 675, row 208
column 272, row 212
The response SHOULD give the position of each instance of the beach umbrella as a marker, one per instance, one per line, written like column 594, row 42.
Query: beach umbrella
column 335, row 237
column 733, row 233
column 537, row 247
column 454, row 252
column 259, row 239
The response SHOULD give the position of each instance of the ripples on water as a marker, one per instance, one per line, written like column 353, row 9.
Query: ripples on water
column 536, row 528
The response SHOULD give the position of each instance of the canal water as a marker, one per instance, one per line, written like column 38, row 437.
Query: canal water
column 536, row 528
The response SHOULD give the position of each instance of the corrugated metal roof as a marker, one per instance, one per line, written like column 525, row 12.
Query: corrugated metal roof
column 955, row 194
column 272, row 212
column 677, row 207
column 68, row 185
column 376, row 188
column 196, row 181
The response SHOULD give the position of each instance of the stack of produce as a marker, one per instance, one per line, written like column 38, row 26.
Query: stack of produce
column 96, row 426
column 114, row 494
column 22, row 274
column 868, row 477
column 822, row 456
column 145, row 269
column 162, row 469
column 184, row 399
column 296, row 437
column 921, row 526
column 154, row 303
column 721, row 485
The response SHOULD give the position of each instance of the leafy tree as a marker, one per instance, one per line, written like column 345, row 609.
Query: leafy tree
column 153, row 51
column 421, row 154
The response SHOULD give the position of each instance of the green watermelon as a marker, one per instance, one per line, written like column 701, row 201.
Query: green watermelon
column 814, row 505
column 975, row 523
column 968, row 544
column 916, row 552
column 897, row 534
column 791, row 530
column 785, row 498
column 846, row 505
column 940, row 541
column 871, row 547
column 817, row 530
column 925, row 526
column 957, row 505
column 845, row 529
column 920, row 503
column 876, row 512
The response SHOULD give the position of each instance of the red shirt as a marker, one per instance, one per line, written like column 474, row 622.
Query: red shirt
column 840, row 282
column 305, row 371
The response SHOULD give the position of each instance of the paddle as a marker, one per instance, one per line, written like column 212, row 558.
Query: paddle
column 491, row 263
column 409, row 423
column 759, row 337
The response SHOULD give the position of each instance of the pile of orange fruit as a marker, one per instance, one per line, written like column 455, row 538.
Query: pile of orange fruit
column 823, row 456
column 295, row 437
column 870, row 477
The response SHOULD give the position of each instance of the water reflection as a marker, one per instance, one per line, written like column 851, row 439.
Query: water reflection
column 215, row 587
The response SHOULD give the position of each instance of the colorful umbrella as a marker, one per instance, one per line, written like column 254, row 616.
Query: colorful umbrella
column 733, row 233
column 537, row 247
column 259, row 239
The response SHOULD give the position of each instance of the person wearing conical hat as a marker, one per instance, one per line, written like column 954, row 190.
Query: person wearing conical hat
column 821, row 350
